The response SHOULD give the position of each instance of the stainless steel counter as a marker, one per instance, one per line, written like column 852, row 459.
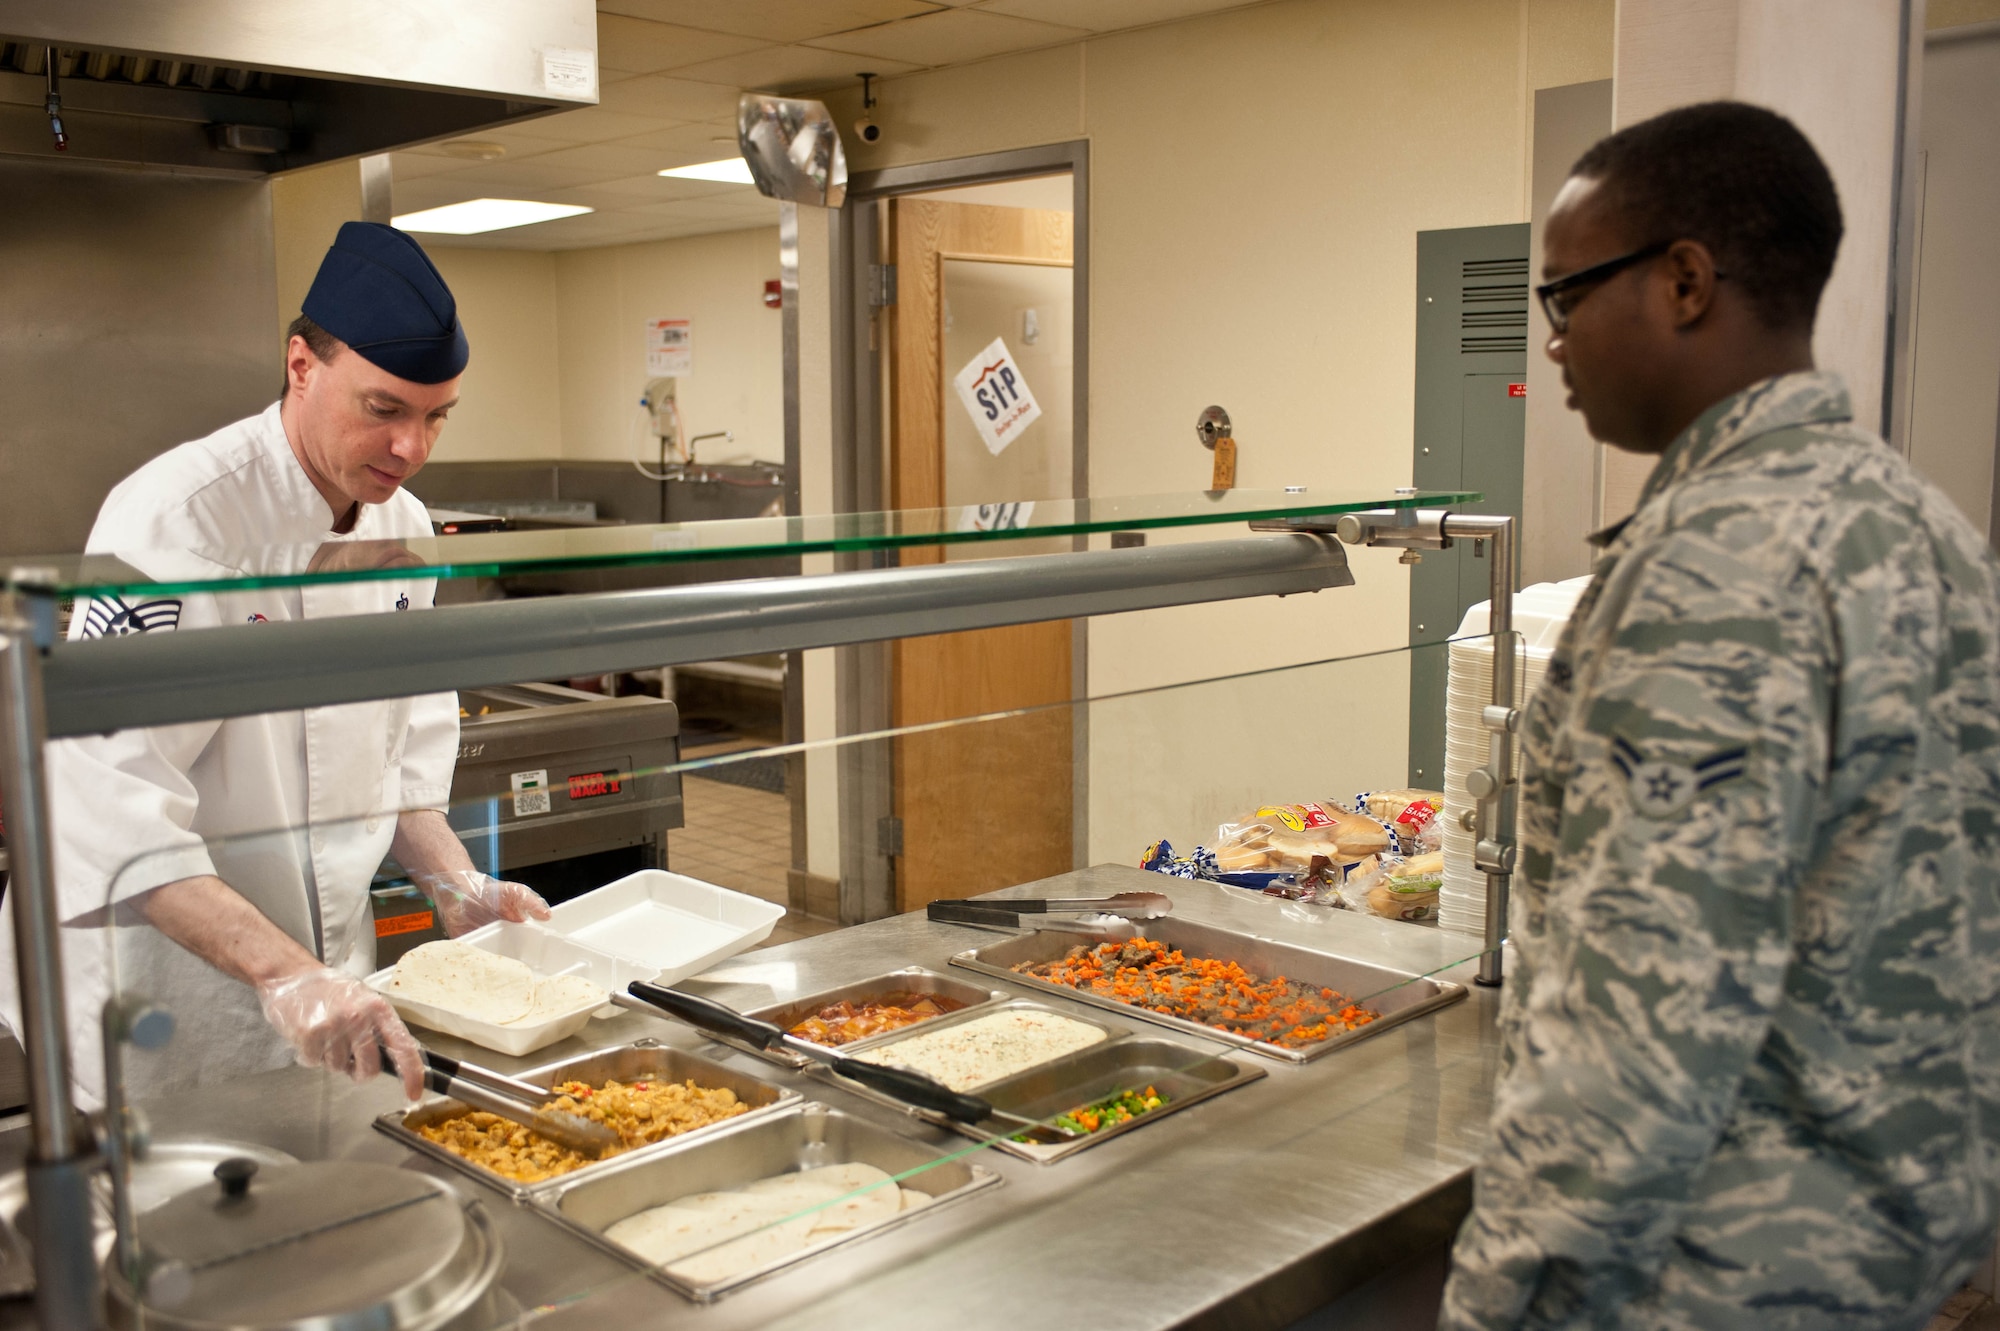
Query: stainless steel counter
column 1249, row 1210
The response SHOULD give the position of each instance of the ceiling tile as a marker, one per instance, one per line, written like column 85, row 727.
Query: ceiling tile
column 518, row 180
column 677, row 99
column 431, row 192
column 1109, row 15
column 703, row 141
column 519, row 141
column 948, row 37
column 631, row 191
column 636, row 46
column 611, row 159
column 773, row 20
column 415, row 166
column 794, row 68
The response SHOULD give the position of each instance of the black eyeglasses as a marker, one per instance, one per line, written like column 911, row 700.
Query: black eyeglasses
column 1562, row 295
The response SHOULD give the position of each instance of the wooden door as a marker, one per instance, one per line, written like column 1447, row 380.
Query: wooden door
column 987, row 804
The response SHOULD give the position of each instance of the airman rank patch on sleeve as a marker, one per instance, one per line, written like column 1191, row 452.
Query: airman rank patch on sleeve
column 114, row 617
column 1662, row 790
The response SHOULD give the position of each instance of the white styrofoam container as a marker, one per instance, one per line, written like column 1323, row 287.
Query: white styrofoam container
column 544, row 953
column 675, row 925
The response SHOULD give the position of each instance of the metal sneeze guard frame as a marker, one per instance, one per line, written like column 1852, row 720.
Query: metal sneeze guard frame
column 51, row 690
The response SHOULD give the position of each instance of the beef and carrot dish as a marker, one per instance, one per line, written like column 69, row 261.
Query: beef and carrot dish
column 845, row 1022
column 1151, row 975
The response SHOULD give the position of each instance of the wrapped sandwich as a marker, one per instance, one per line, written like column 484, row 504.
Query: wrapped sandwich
column 1394, row 887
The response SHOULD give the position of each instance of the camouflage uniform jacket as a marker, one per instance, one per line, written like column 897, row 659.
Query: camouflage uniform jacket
column 1751, row 1052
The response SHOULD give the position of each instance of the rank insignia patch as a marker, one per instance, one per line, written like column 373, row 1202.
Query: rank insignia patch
column 1661, row 790
column 114, row 617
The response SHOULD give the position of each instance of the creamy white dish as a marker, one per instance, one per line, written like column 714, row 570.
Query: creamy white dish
column 978, row 1052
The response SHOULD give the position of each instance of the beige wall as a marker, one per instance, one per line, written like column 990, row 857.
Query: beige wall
column 1261, row 253
column 1955, row 375
column 510, row 403
column 1833, row 70
column 558, row 346
column 605, row 296
column 307, row 208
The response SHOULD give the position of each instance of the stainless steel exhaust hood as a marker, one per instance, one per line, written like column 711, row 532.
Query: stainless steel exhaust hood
column 252, row 87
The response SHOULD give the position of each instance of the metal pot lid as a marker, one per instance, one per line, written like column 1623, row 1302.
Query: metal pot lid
column 330, row 1246
column 174, row 1166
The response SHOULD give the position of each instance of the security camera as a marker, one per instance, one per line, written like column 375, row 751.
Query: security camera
column 869, row 131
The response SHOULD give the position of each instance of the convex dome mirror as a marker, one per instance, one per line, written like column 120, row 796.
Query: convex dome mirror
column 793, row 149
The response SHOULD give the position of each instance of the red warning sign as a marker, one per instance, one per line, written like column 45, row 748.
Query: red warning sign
column 402, row 924
column 1517, row 390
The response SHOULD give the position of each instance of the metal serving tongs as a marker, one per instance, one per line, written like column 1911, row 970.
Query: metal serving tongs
column 516, row 1101
column 912, row 1088
column 1006, row 912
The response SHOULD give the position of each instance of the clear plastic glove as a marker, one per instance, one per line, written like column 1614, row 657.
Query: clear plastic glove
column 336, row 1022
column 465, row 899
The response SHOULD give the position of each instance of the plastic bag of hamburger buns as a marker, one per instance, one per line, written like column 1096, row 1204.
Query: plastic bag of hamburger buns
column 1410, row 815
column 1289, row 838
column 1395, row 888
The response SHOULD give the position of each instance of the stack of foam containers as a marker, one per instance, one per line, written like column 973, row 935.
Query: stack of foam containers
column 1540, row 612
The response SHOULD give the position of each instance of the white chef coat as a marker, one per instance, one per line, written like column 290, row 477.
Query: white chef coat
column 294, row 810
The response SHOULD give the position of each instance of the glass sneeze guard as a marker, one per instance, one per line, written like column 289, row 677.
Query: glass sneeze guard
column 581, row 548
column 833, row 1185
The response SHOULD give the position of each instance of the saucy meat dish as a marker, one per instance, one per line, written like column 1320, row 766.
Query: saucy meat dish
column 1149, row 974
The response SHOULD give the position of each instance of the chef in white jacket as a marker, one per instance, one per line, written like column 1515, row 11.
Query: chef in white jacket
column 222, row 869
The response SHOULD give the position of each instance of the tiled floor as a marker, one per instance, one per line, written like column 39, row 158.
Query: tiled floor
column 1967, row 1310
column 740, row 839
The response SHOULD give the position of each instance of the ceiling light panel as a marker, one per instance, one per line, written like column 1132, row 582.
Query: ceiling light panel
column 477, row 216
column 729, row 170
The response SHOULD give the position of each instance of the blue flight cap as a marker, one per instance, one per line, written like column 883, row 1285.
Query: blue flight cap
column 378, row 292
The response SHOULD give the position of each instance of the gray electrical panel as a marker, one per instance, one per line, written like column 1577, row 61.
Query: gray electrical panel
column 1471, row 431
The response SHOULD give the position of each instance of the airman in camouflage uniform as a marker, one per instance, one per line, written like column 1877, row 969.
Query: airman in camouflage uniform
column 1751, row 1068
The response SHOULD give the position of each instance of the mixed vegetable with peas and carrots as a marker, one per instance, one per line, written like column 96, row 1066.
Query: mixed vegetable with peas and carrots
column 1149, row 974
column 1108, row 1112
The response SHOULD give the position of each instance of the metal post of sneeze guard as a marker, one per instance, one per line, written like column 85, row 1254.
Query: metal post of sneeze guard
column 66, row 1294
column 1492, row 787
column 126, row 1019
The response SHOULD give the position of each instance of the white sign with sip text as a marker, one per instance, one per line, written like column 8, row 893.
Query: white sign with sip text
column 669, row 348
column 996, row 517
column 996, row 394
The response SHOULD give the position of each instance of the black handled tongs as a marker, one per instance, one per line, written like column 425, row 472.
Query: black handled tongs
column 1007, row 911
column 516, row 1101
column 912, row 1088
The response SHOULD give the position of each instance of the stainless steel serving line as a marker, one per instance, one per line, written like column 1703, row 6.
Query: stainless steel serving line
column 51, row 689
column 1250, row 1209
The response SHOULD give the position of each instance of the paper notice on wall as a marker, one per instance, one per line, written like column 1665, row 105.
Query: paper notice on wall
column 569, row 72
column 996, row 395
column 669, row 348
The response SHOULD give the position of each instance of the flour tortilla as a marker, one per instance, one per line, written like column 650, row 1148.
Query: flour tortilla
column 745, row 1254
column 558, row 996
column 465, row 980
column 708, row 1237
